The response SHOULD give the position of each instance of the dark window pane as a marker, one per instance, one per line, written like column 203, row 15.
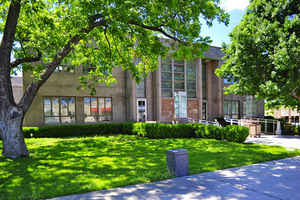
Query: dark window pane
column 179, row 85
column 166, row 61
column 179, row 76
column 87, row 107
column 55, row 107
column 166, row 76
column 167, row 92
column 101, row 106
column 71, row 106
column 94, row 106
column 64, row 106
column 178, row 68
column 47, row 107
column 166, row 84
column 108, row 108
column 191, row 93
column 191, row 84
column 166, row 68
column 179, row 62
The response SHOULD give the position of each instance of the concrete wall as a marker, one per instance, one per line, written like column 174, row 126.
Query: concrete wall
column 66, row 84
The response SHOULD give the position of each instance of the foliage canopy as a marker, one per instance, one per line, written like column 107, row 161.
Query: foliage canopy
column 263, row 58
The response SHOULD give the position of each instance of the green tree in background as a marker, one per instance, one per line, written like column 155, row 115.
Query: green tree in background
column 263, row 58
column 102, row 33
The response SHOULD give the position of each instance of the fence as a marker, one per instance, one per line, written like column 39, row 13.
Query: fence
column 268, row 126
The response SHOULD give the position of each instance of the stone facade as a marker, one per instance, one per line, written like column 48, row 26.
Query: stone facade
column 128, row 102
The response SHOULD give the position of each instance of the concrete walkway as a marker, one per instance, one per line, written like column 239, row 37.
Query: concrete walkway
column 290, row 142
column 275, row 180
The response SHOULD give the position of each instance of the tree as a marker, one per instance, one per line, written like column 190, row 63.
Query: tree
column 105, row 34
column 263, row 58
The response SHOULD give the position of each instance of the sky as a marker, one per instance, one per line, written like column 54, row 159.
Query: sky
column 219, row 32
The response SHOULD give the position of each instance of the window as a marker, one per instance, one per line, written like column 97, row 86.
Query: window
column 191, row 79
column 179, row 75
column 176, row 75
column 204, row 110
column 166, row 77
column 97, row 109
column 227, row 81
column 180, row 105
column 204, row 80
column 59, row 110
column 140, row 89
column 65, row 68
column 231, row 109
column 249, row 107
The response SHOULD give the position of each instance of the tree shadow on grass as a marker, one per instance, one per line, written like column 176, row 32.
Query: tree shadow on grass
column 78, row 165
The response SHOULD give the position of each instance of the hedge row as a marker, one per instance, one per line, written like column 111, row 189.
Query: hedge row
column 232, row 133
column 78, row 130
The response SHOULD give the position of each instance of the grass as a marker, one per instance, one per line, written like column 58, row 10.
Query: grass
column 59, row 167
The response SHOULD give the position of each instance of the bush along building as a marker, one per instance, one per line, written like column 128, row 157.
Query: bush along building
column 186, row 90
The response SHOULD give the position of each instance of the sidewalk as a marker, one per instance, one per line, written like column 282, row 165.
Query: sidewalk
column 289, row 142
column 275, row 180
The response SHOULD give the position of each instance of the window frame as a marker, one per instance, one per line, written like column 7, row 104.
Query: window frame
column 184, row 77
column 98, row 108
column 59, row 109
column 230, row 113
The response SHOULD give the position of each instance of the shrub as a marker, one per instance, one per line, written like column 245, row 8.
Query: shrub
column 209, row 131
column 161, row 131
column 234, row 133
column 29, row 132
column 78, row 130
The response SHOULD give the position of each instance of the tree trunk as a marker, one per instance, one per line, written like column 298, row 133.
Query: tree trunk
column 12, row 135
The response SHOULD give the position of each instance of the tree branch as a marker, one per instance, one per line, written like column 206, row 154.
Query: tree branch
column 294, row 95
column 155, row 28
column 25, row 60
column 32, row 89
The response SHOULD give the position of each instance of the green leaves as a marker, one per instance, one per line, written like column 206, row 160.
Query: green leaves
column 264, row 52
column 129, row 29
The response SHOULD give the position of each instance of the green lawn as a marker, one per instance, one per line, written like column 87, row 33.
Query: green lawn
column 59, row 167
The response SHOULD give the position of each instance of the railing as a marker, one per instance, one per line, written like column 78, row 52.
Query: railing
column 209, row 122
column 268, row 126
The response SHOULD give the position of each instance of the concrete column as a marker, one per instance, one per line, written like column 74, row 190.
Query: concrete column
column 199, row 86
column 149, row 96
column 220, row 95
column 209, row 71
column 130, row 97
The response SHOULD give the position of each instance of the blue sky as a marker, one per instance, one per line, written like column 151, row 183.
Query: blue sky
column 219, row 32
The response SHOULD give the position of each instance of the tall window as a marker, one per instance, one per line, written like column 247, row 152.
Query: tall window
column 97, row 109
column 166, row 77
column 250, row 107
column 204, row 80
column 191, row 79
column 176, row 76
column 231, row 109
column 179, row 75
column 141, row 89
column 59, row 110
